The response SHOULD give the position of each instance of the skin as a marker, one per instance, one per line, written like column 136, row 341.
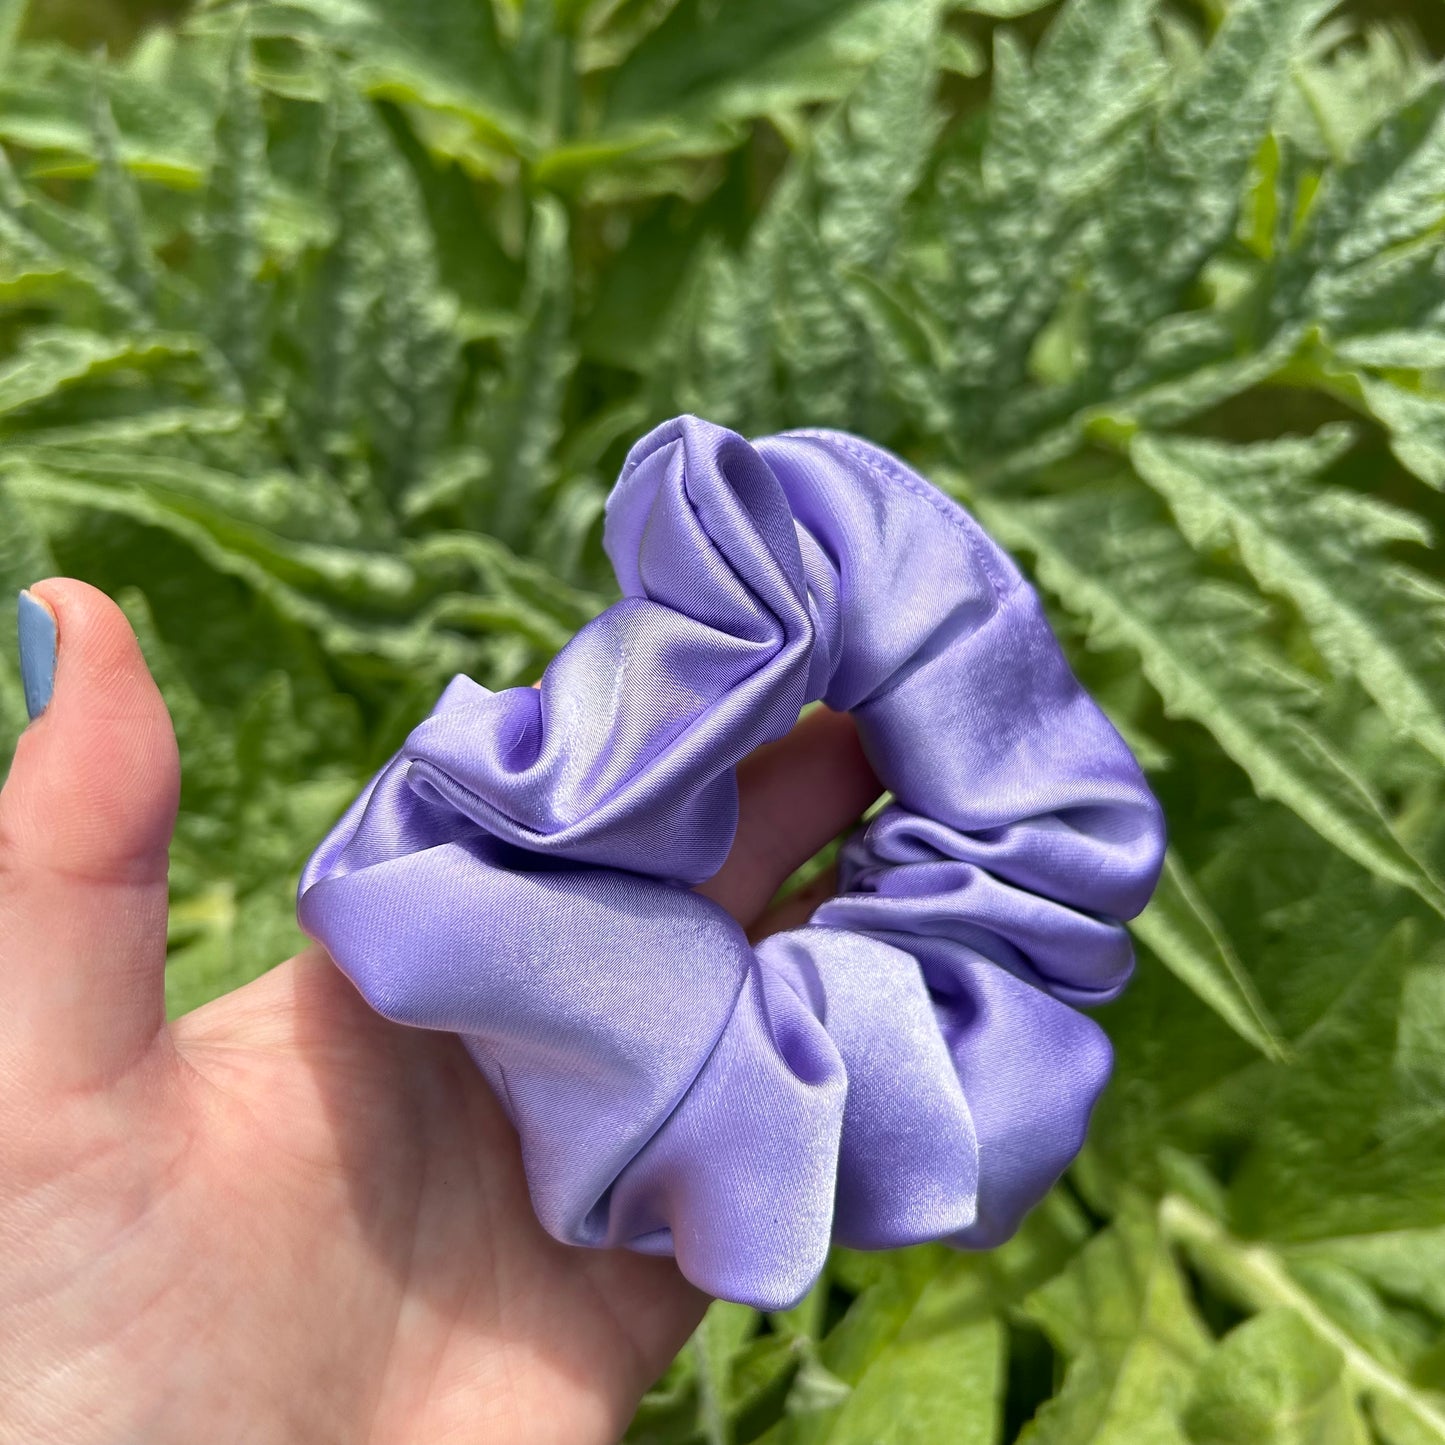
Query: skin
column 283, row 1218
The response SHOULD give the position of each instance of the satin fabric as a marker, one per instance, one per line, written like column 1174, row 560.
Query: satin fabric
column 912, row 1064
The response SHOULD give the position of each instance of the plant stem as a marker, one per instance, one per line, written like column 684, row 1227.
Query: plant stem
column 1255, row 1276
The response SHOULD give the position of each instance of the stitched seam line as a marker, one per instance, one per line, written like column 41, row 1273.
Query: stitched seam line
column 898, row 478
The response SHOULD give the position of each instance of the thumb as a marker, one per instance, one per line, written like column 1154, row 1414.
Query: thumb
column 85, row 825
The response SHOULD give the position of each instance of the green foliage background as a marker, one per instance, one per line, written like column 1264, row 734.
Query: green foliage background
column 324, row 325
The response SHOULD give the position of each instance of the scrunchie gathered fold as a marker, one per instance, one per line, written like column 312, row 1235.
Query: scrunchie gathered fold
column 910, row 1065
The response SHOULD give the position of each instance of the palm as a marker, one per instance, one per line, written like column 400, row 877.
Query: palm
column 390, row 1214
column 284, row 1217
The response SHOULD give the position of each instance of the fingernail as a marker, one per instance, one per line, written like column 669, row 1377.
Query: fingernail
column 37, row 653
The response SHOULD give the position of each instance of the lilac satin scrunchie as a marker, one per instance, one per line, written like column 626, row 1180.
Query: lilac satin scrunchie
column 908, row 1066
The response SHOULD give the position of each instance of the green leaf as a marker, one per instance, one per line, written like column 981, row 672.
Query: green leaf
column 950, row 1372
column 805, row 288
column 869, row 156
column 815, row 1388
column 1416, row 424
column 1133, row 580
column 51, row 362
column 1058, row 129
column 522, row 421
column 704, row 55
column 923, row 1330
column 42, row 239
column 1334, row 272
column 718, row 349
column 716, row 1340
column 446, row 56
column 1390, row 193
column 295, row 578
column 1407, row 1264
column 1184, row 935
column 382, row 330
column 1273, row 1380
column 819, row 336
column 12, row 17
column 1255, row 1277
column 1350, row 78
column 1386, row 195
column 1347, row 1143
column 961, row 55
column 1120, row 1314
column 626, row 324
column 24, row 556
column 235, row 197
column 120, row 203
column 1062, row 121
column 162, row 94
column 1003, row 9
column 1325, row 549
column 908, row 349
column 1177, row 203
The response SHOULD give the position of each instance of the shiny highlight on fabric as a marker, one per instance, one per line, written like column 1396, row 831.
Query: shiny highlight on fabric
column 911, row 1064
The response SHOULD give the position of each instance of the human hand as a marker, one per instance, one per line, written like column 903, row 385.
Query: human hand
column 283, row 1218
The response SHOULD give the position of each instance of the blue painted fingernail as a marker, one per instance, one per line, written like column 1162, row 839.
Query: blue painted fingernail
column 37, row 654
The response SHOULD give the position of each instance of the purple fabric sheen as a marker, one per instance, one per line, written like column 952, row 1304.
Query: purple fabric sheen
column 909, row 1065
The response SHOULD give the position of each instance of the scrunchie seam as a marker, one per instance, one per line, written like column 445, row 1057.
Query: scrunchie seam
column 954, row 515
